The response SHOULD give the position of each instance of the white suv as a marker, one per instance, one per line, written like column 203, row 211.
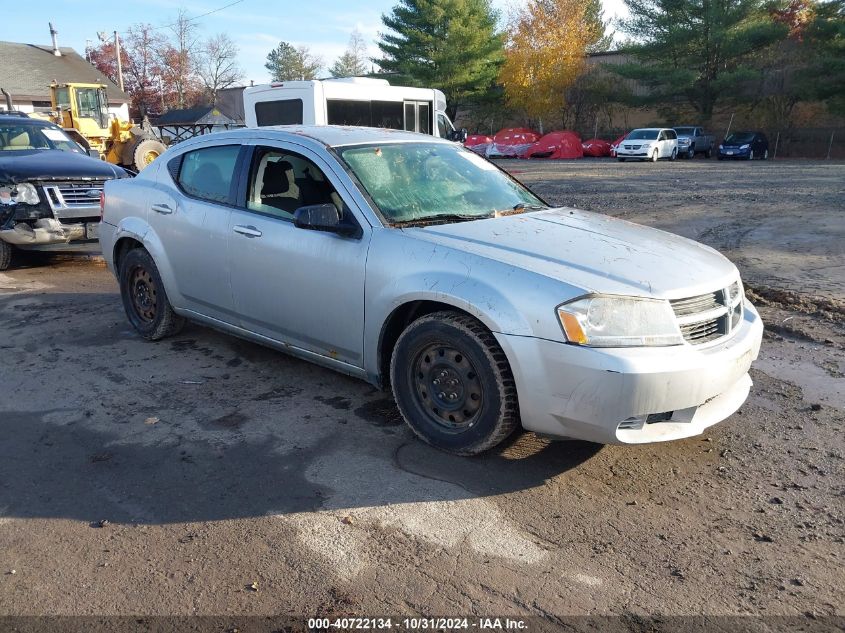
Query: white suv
column 649, row 143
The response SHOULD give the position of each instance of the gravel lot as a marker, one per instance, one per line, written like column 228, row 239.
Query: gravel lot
column 166, row 478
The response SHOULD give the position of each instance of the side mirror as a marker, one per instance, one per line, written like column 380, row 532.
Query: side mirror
column 93, row 153
column 324, row 217
column 458, row 136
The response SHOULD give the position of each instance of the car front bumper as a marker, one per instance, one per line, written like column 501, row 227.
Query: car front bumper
column 733, row 153
column 633, row 153
column 567, row 391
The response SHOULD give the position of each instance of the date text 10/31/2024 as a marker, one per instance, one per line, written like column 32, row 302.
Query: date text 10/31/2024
column 418, row 624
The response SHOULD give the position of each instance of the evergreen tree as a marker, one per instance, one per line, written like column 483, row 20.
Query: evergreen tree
column 353, row 63
column 289, row 63
column 452, row 45
column 598, row 39
column 702, row 50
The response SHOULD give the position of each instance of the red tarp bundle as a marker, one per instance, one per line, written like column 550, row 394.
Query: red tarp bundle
column 478, row 143
column 615, row 144
column 512, row 142
column 556, row 145
column 596, row 148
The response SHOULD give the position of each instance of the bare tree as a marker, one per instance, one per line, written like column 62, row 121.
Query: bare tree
column 353, row 63
column 178, row 58
column 217, row 65
column 142, row 68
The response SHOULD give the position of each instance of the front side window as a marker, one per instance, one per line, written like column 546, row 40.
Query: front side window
column 281, row 182
column 444, row 126
column 207, row 173
column 413, row 182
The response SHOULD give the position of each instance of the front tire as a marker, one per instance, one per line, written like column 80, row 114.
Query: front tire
column 751, row 154
column 691, row 153
column 654, row 156
column 144, row 299
column 5, row 255
column 674, row 154
column 766, row 154
column 146, row 152
column 708, row 153
column 453, row 384
column 620, row 159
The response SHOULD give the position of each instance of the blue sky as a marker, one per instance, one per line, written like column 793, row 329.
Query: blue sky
column 256, row 26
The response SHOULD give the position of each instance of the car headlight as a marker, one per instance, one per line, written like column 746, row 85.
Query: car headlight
column 617, row 321
column 721, row 147
column 746, row 146
column 26, row 194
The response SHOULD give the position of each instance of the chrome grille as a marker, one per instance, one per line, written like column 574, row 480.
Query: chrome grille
column 709, row 317
column 74, row 199
column 80, row 194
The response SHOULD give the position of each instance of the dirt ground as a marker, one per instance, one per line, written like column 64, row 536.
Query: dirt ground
column 167, row 478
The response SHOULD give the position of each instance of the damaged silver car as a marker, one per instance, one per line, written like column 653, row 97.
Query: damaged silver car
column 49, row 189
column 414, row 264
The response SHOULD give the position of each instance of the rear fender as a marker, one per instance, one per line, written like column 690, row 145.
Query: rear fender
column 137, row 229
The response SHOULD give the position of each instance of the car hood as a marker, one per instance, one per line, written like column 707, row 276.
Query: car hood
column 591, row 251
column 50, row 164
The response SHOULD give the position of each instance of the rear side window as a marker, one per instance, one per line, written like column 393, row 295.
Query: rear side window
column 207, row 173
column 281, row 112
column 384, row 114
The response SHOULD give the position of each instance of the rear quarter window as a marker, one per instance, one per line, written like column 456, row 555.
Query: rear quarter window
column 208, row 173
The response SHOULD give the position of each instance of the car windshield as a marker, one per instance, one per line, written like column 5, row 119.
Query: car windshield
column 686, row 131
column 643, row 135
column 434, row 182
column 740, row 137
column 20, row 136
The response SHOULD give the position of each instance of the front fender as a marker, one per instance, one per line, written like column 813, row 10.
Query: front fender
column 473, row 296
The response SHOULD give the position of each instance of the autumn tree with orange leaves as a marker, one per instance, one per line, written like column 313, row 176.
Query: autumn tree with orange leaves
column 544, row 54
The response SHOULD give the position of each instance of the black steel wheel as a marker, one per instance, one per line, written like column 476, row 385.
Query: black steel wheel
column 144, row 299
column 453, row 384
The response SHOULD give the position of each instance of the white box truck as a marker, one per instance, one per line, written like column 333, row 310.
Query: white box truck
column 350, row 101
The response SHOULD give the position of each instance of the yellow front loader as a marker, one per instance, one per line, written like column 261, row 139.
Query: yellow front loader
column 82, row 110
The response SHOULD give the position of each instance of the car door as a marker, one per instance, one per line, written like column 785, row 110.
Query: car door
column 190, row 214
column 300, row 287
column 662, row 144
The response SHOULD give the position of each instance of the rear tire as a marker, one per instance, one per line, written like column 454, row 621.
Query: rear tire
column 453, row 384
column 146, row 152
column 5, row 255
column 766, row 154
column 144, row 299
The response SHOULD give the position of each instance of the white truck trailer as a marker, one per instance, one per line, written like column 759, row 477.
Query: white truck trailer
column 350, row 101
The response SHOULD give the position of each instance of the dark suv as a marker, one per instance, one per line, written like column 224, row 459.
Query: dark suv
column 49, row 188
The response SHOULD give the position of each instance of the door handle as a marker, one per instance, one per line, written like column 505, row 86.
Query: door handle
column 162, row 208
column 249, row 231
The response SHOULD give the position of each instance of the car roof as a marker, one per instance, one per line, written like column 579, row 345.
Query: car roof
column 331, row 135
column 652, row 129
column 25, row 120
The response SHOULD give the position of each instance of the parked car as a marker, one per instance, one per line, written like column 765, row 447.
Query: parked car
column 410, row 261
column 49, row 188
column 649, row 144
column 746, row 145
column 692, row 140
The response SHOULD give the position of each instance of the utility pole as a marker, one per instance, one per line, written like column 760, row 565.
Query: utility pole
column 119, row 63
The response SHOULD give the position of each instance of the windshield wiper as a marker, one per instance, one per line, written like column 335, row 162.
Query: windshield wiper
column 519, row 207
column 441, row 218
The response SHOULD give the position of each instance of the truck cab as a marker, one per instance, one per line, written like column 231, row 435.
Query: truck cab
column 358, row 101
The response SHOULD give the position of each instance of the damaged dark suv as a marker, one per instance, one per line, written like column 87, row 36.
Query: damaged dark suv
column 49, row 189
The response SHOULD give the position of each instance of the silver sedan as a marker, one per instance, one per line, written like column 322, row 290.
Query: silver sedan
column 413, row 263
